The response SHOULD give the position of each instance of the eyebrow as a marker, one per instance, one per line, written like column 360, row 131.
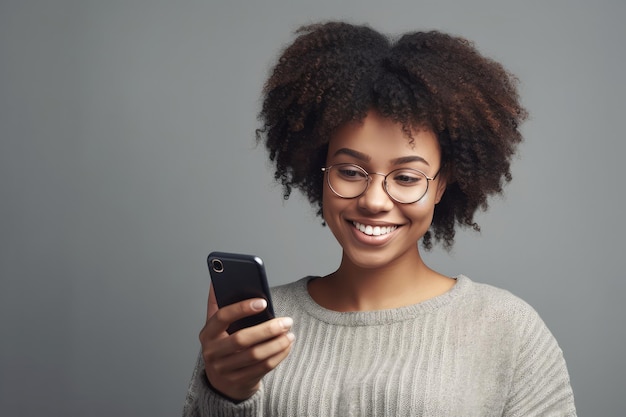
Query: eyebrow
column 366, row 158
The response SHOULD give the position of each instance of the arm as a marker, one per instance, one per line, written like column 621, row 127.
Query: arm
column 202, row 400
column 541, row 384
column 227, row 377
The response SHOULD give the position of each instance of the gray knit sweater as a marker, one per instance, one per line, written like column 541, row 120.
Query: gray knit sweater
column 474, row 351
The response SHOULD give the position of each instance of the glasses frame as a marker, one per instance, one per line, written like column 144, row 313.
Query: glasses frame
column 327, row 169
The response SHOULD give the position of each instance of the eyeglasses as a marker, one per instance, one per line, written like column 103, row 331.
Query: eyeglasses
column 404, row 185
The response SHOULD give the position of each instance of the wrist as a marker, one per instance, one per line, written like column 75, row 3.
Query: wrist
column 220, row 393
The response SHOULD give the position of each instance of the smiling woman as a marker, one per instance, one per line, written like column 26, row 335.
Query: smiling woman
column 382, row 146
column 395, row 143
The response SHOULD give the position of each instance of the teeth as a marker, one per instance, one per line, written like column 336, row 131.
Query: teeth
column 374, row 230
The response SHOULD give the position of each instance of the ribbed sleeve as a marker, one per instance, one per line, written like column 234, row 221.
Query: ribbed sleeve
column 541, row 385
column 202, row 401
column 474, row 351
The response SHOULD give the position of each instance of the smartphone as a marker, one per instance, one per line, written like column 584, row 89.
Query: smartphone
column 237, row 277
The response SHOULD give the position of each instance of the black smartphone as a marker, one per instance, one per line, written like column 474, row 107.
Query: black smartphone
column 237, row 277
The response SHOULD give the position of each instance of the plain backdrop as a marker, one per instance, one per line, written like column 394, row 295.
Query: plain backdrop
column 127, row 154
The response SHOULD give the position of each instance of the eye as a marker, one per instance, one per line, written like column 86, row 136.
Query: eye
column 408, row 178
column 351, row 173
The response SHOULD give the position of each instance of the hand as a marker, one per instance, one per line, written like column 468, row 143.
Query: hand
column 236, row 363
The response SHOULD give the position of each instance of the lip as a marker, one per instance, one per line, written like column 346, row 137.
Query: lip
column 373, row 237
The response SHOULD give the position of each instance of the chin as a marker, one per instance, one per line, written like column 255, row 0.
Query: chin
column 371, row 260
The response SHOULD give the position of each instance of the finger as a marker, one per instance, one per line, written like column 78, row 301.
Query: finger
column 251, row 336
column 259, row 369
column 246, row 338
column 257, row 354
column 226, row 315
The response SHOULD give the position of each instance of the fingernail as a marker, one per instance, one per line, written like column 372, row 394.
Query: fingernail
column 291, row 336
column 286, row 322
column 259, row 305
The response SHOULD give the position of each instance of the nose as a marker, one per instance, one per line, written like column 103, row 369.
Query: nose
column 375, row 199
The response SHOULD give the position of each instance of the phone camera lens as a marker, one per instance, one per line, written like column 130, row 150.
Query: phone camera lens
column 218, row 266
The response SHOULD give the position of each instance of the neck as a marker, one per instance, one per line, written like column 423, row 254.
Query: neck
column 353, row 288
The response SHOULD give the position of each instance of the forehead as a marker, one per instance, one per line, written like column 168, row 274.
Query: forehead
column 382, row 139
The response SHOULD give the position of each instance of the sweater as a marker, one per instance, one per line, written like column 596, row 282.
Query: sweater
column 474, row 351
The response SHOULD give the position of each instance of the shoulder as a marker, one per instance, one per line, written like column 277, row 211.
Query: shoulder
column 285, row 297
column 523, row 347
column 493, row 300
column 505, row 314
column 520, row 345
column 501, row 309
column 510, row 329
column 290, row 289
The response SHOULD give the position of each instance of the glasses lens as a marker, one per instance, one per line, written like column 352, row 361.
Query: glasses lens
column 347, row 180
column 406, row 185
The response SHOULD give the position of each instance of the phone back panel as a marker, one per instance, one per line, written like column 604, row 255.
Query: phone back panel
column 238, row 277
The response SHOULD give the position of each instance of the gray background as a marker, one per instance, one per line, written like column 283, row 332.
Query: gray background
column 127, row 154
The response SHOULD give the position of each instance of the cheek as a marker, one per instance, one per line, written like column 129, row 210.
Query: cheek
column 333, row 211
column 331, row 215
column 331, row 206
column 325, row 202
column 421, row 210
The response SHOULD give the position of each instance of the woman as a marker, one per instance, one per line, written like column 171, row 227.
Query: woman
column 395, row 143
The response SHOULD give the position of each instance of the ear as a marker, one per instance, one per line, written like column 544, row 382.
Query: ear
column 441, row 188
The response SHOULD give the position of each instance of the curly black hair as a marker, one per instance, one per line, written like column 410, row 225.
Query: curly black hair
column 335, row 73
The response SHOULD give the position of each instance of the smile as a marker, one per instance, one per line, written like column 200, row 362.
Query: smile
column 374, row 230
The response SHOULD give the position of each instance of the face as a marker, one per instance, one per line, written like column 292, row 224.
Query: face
column 374, row 230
